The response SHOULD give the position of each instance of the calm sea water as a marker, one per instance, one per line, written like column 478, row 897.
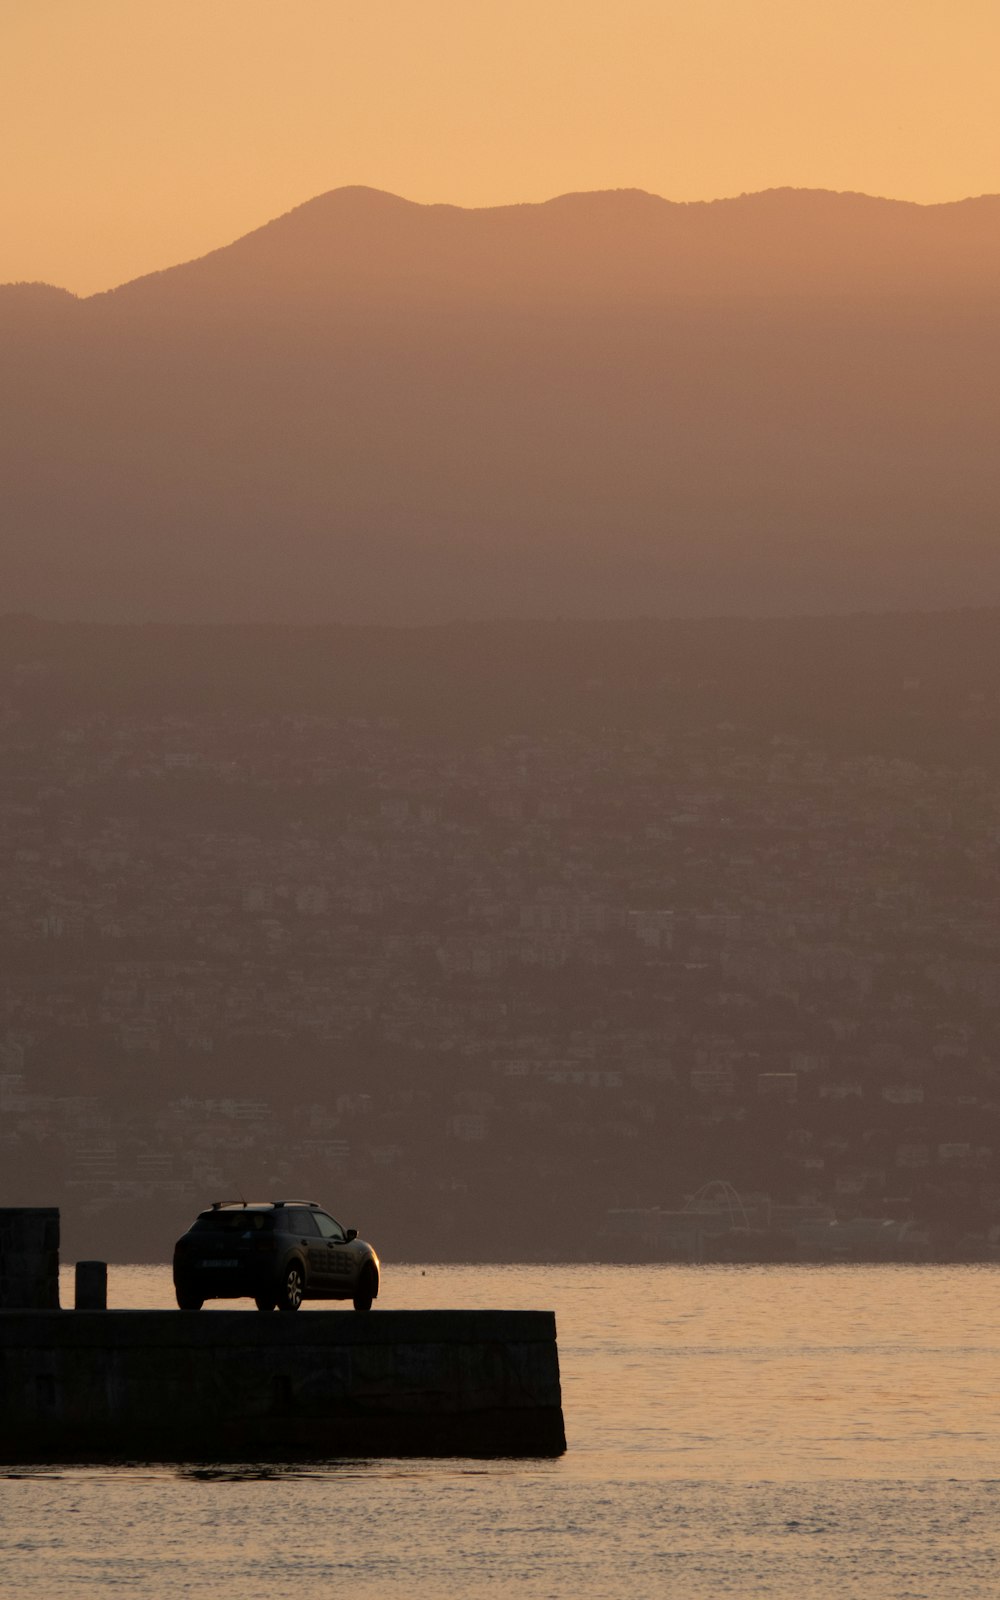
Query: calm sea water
column 744, row 1431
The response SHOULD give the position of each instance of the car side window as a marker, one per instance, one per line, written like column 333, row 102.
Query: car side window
column 328, row 1228
column 304, row 1222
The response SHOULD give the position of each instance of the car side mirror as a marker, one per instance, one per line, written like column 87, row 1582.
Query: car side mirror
column 352, row 1233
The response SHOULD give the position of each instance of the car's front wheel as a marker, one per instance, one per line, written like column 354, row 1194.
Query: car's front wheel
column 365, row 1293
column 188, row 1301
column 293, row 1287
column 264, row 1302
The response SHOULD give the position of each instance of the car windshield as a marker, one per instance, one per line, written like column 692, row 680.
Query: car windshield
column 328, row 1227
column 235, row 1221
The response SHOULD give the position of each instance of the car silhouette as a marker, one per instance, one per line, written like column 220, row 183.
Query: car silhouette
column 274, row 1252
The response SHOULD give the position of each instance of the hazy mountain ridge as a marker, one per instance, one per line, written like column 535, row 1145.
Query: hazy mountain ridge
column 605, row 404
column 610, row 239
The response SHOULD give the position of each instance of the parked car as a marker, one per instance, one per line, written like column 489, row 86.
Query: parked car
column 275, row 1252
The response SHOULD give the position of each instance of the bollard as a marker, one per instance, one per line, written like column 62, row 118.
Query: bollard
column 91, row 1286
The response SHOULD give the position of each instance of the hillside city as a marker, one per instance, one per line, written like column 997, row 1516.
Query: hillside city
column 510, row 983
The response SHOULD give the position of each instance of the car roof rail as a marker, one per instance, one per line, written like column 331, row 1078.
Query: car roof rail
column 312, row 1204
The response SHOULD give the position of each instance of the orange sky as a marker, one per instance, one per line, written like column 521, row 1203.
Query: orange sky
column 139, row 133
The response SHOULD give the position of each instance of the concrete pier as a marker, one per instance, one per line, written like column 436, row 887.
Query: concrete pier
column 240, row 1385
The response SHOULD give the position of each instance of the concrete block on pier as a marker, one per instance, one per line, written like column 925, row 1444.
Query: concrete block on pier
column 238, row 1385
column 29, row 1258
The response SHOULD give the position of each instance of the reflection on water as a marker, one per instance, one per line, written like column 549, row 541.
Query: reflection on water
column 746, row 1431
column 275, row 1472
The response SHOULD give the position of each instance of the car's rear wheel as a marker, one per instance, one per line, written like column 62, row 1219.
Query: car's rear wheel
column 293, row 1287
column 188, row 1301
column 364, row 1294
column 264, row 1302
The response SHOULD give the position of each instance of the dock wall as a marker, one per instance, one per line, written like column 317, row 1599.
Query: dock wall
column 239, row 1385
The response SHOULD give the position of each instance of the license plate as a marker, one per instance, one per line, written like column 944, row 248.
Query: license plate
column 211, row 1264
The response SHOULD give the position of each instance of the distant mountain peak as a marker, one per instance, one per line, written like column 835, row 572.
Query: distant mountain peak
column 26, row 293
column 358, row 240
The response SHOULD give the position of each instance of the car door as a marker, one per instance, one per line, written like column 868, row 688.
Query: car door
column 307, row 1235
column 341, row 1264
